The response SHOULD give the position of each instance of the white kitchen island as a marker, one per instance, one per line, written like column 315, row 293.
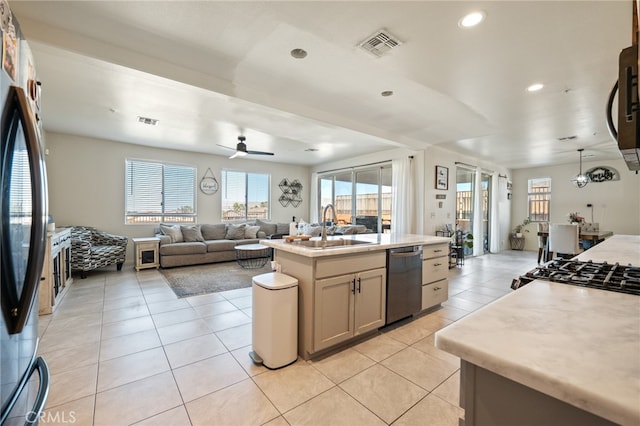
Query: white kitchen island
column 553, row 354
column 342, row 290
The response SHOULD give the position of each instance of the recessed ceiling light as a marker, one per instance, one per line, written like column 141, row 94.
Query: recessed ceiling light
column 535, row 87
column 472, row 19
column 387, row 93
column 299, row 53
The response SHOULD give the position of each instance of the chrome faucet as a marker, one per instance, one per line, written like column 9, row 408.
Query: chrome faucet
column 324, row 220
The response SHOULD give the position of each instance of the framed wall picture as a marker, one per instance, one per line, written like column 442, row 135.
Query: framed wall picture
column 442, row 177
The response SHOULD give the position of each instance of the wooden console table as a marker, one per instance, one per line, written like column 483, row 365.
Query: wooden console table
column 56, row 270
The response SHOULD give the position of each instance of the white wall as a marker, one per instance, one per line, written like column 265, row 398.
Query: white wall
column 435, row 216
column 616, row 204
column 86, row 183
column 430, row 216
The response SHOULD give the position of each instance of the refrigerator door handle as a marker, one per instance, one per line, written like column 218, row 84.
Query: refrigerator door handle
column 33, row 416
column 16, row 302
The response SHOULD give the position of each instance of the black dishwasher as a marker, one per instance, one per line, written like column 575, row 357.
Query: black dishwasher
column 404, row 282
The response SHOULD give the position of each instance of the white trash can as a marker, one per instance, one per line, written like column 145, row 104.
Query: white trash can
column 275, row 320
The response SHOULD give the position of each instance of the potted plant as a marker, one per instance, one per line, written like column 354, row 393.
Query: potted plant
column 468, row 241
column 517, row 231
column 574, row 217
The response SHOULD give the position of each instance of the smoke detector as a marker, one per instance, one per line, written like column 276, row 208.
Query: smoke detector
column 380, row 42
column 147, row 120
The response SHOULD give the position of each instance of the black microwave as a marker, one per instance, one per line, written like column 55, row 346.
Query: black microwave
column 628, row 132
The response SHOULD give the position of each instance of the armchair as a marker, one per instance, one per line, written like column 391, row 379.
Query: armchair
column 92, row 249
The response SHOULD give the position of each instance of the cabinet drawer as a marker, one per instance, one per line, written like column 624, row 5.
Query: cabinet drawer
column 435, row 250
column 350, row 263
column 434, row 269
column 435, row 293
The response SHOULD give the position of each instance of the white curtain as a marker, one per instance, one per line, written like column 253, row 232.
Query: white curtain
column 313, row 199
column 494, row 225
column 478, row 248
column 402, row 209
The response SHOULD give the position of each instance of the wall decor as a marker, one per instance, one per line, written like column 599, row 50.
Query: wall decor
column 442, row 177
column 208, row 183
column 603, row 174
column 291, row 192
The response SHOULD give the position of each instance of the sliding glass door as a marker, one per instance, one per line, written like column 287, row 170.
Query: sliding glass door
column 467, row 206
column 465, row 190
column 485, row 184
column 360, row 196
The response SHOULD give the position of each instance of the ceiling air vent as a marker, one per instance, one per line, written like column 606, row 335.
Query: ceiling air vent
column 147, row 120
column 380, row 43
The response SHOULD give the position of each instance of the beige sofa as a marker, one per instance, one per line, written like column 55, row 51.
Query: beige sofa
column 182, row 245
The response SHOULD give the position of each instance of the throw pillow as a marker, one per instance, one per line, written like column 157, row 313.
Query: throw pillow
column 251, row 231
column 214, row 232
column 314, row 231
column 266, row 227
column 282, row 228
column 235, row 232
column 172, row 231
column 191, row 233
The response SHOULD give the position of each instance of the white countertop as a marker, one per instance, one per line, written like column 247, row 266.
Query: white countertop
column 378, row 242
column 624, row 249
column 579, row 345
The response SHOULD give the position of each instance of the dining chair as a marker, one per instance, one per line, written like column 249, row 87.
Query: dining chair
column 542, row 240
column 563, row 239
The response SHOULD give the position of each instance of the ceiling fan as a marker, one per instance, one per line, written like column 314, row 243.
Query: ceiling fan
column 241, row 149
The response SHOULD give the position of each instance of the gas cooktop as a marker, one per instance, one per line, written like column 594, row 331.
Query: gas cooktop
column 603, row 276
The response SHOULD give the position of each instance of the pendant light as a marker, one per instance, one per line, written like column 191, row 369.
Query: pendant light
column 581, row 180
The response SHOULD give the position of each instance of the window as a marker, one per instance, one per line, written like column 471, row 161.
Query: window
column 539, row 199
column 239, row 190
column 157, row 192
column 370, row 188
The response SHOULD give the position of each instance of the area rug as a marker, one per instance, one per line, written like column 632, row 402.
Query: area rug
column 188, row 281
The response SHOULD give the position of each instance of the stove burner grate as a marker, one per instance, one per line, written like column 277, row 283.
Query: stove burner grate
column 604, row 276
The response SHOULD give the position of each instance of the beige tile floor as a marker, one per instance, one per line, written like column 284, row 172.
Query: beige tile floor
column 122, row 349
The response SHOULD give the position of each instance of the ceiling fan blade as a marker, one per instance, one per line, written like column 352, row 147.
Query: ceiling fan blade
column 238, row 154
column 259, row 152
column 225, row 146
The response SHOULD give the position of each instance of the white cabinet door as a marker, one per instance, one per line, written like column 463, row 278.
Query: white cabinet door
column 370, row 300
column 333, row 311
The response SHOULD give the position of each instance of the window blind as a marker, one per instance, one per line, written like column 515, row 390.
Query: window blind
column 157, row 192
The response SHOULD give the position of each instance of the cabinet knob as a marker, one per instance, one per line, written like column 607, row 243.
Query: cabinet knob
column 437, row 288
column 437, row 251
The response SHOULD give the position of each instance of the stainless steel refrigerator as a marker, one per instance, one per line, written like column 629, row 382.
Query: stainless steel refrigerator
column 24, row 375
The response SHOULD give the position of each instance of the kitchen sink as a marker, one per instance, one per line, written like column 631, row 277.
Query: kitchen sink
column 319, row 244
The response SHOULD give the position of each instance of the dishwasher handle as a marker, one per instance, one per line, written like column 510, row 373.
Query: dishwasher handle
column 408, row 254
column 406, row 251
